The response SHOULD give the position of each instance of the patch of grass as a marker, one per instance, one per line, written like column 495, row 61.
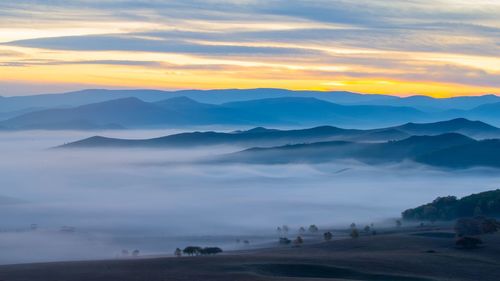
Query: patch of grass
column 323, row 271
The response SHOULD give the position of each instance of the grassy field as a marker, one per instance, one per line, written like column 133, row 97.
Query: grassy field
column 401, row 256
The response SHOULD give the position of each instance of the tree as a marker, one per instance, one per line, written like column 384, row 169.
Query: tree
column 125, row 253
column 490, row 225
column 302, row 230
column 477, row 211
column 284, row 241
column 476, row 226
column 210, row 251
column 399, row 223
column 450, row 208
column 367, row 229
column 178, row 252
column 313, row 228
column 327, row 236
column 354, row 233
column 298, row 241
column 192, row 250
column 279, row 231
column 353, row 225
column 135, row 253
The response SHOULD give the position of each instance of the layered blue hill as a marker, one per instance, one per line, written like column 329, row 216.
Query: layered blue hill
column 182, row 111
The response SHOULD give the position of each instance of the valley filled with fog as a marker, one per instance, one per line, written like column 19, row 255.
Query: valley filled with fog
column 107, row 200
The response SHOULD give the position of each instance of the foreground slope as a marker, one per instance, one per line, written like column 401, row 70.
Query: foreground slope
column 405, row 256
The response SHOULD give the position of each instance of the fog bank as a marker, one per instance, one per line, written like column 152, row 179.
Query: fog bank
column 156, row 200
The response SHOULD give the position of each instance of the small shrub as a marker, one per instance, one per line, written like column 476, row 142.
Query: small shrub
column 354, row 233
column 284, row 241
column 298, row 241
column 327, row 236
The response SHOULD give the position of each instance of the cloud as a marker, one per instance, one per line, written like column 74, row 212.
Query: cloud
column 116, row 198
column 365, row 38
column 131, row 43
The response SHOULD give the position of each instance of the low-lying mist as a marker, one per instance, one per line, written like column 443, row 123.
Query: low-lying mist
column 157, row 200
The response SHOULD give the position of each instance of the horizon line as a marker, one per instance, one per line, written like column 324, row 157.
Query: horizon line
column 243, row 89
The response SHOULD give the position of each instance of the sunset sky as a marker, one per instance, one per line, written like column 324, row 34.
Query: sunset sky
column 439, row 48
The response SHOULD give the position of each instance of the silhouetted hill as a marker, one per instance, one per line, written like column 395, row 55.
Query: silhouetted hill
column 430, row 104
column 410, row 148
column 182, row 111
column 127, row 111
column 449, row 208
column 484, row 153
column 260, row 136
column 315, row 111
column 263, row 106
column 458, row 125
column 131, row 113
column 217, row 96
column 373, row 153
column 252, row 137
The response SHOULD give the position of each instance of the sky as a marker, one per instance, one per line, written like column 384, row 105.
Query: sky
column 439, row 48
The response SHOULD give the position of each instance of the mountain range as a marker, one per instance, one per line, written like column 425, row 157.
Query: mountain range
column 450, row 150
column 183, row 112
column 234, row 106
column 219, row 96
column 260, row 136
column 444, row 144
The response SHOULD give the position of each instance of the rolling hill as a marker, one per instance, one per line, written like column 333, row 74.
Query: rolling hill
column 182, row 111
column 271, row 137
column 259, row 107
column 458, row 125
column 411, row 148
column 219, row 96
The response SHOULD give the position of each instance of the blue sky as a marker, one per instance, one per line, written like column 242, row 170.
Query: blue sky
column 439, row 48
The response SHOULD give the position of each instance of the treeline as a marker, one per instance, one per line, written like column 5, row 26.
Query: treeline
column 450, row 208
column 197, row 251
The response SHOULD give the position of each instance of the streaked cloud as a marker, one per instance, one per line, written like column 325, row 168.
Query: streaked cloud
column 440, row 48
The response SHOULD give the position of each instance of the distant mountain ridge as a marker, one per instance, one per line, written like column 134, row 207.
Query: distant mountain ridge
column 262, row 136
column 252, row 107
column 182, row 111
column 219, row 96
column 435, row 144
column 451, row 150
